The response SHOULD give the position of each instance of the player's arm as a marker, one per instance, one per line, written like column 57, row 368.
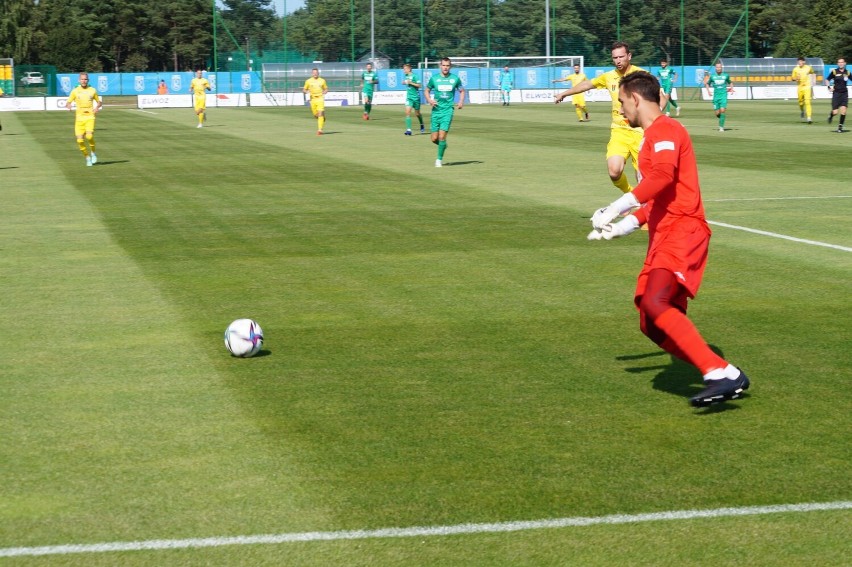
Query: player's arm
column 71, row 98
column 730, row 85
column 427, row 92
column 461, row 97
column 581, row 87
column 98, row 103
column 414, row 84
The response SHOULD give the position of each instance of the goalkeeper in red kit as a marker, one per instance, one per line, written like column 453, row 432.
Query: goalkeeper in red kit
column 668, row 198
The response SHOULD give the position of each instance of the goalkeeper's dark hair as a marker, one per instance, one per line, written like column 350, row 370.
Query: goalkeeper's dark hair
column 642, row 83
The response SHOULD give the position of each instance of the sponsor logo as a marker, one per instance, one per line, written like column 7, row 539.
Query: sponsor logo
column 139, row 83
column 245, row 81
column 103, row 83
column 176, row 83
column 65, row 84
column 391, row 80
column 531, row 77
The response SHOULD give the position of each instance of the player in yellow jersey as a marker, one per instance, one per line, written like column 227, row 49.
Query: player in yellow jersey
column 804, row 76
column 199, row 87
column 88, row 103
column 623, row 139
column 578, row 100
column 317, row 88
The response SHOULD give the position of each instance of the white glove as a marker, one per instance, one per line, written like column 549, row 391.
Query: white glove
column 595, row 235
column 606, row 215
column 622, row 228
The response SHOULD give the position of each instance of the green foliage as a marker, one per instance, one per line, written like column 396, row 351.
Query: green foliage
column 179, row 34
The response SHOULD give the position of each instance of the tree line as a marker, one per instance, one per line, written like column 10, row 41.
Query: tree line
column 132, row 35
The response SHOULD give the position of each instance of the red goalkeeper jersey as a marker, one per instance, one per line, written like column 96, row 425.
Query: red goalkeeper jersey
column 668, row 177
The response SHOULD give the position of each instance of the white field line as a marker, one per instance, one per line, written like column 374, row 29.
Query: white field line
column 422, row 531
column 782, row 236
column 778, row 198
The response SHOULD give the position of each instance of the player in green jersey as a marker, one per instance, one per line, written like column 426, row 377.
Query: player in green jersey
column 443, row 87
column 721, row 85
column 412, row 98
column 667, row 77
column 369, row 79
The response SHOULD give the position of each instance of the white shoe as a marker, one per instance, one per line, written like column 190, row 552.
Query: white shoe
column 438, row 163
column 200, row 125
column 678, row 111
column 94, row 158
column 88, row 161
column 721, row 129
column 668, row 113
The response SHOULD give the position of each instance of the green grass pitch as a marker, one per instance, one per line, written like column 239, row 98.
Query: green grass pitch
column 443, row 346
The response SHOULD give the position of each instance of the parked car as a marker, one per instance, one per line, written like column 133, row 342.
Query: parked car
column 30, row 78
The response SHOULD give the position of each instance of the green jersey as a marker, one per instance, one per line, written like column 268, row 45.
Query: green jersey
column 443, row 90
column 720, row 83
column 368, row 78
column 666, row 76
column 412, row 92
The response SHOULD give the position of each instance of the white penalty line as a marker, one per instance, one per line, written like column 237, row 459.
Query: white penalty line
column 782, row 236
column 422, row 531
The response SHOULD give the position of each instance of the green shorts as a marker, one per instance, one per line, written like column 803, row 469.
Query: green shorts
column 413, row 102
column 441, row 120
column 720, row 102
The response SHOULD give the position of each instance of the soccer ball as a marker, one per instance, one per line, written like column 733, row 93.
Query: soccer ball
column 244, row 338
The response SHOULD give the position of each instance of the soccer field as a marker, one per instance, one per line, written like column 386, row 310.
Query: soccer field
column 452, row 373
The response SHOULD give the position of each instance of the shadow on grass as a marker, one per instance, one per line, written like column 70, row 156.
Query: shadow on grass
column 676, row 377
column 453, row 163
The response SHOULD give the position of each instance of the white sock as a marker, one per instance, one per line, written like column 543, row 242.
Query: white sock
column 730, row 372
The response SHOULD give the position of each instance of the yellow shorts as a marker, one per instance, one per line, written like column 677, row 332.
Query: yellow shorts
column 200, row 102
column 317, row 105
column 84, row 124
column 578, row 100
column 624, row 142
column 804, row 94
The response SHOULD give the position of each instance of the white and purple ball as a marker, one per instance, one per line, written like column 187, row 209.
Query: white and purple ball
column 244, row 338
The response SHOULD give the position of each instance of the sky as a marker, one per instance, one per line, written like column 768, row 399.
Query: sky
column 292, row 5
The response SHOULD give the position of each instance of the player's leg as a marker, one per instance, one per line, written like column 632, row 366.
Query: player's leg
column 446, row 121
column 419, row 116
column 90, row 139
column 407, row 119
column 801, row 103
column 79, row 134
column 579, row 112
column 672, row 101
column 808, row 106
column 623, row 145
column 368, row 105
column 842, row 110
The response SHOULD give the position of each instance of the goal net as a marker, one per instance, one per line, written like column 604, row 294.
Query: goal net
column 527, row 73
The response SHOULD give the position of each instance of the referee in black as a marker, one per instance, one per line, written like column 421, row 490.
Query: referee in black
column 836, row 82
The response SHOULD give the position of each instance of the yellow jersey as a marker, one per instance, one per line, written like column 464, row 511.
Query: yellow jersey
column 803, row 75
column 198, row 86
column 316, row 87
column 575, row 78
column 85, row 99
column 610, row 81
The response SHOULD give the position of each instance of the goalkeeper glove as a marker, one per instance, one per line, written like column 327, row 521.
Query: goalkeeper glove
column 622, row 228
column 606, row 215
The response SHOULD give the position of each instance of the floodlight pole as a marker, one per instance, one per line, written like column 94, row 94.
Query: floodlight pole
column 215, row 50
column 373, row 31
column 547, row 28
